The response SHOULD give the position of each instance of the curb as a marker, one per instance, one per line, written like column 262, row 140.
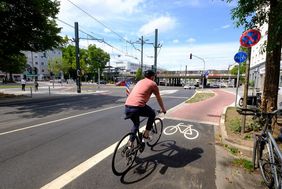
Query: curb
column 246, row 151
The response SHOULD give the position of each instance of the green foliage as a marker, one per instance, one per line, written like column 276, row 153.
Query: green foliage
column 139, row 74
column 246, row 164
column 200, row 97
column 28, row 25
column 92, row 60
column 235, row 125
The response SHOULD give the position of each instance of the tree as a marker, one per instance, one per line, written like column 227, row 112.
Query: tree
column 139, row 74
column 255, row 13
column 27, row 25
column 92, row 59
column 17, row 64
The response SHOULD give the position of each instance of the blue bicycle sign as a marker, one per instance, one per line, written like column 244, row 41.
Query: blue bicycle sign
column 240, row 57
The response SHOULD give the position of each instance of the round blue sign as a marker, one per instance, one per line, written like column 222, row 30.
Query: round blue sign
column 240, row 57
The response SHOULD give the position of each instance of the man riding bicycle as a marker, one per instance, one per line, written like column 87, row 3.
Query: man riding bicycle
column 135, row 105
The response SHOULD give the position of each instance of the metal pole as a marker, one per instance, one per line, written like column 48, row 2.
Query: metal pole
column 237, row 85
column 49, row 91
column 185, row 74
column 142, row 43
column 77, row 57
column 243, row 123
column 156, row 49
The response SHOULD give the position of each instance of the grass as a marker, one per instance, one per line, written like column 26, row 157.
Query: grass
column 200, row 96
column 246, row 164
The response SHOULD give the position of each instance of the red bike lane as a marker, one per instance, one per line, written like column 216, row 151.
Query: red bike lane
column 209, row 110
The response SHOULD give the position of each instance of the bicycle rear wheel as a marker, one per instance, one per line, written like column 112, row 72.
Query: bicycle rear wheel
column 156, row 132
column 124, row 155
column 265, row 165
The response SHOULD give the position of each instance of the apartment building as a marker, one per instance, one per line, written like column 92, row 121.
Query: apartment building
column 39, row 61
column 258, row 60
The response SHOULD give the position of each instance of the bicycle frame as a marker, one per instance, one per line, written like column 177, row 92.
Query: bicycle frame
column 273, row 150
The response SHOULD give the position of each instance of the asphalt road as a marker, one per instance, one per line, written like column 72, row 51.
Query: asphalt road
column 42, row 139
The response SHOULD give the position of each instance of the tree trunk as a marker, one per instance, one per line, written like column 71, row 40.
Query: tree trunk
column 272, row 66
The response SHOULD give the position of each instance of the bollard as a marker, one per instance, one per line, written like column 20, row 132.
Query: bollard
column 31, row 92
column 49, row 91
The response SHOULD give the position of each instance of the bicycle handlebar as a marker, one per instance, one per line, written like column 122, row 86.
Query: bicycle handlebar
column 257, row 112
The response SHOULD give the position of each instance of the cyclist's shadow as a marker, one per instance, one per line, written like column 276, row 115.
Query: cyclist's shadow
column 169, row 155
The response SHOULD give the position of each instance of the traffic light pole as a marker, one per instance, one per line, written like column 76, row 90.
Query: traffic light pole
column 204, row 66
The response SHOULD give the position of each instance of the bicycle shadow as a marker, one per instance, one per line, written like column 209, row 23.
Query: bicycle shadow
column 169, row 156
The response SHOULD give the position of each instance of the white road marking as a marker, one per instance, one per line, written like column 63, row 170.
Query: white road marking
column 58, row 120
column 80, row 169
column 163, row 92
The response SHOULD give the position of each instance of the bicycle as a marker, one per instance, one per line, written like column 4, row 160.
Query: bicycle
column 188, row 132
column 124, row 156
column 266, row 153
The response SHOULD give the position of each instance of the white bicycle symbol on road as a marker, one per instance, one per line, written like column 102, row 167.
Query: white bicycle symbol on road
column 188, row 132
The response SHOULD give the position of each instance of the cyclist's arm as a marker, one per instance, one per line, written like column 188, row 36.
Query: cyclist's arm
column 159, row 99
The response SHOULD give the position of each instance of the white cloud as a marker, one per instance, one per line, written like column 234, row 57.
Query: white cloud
column 216, row 56
column 163, row 23
column 225, row 26
column 191, row 40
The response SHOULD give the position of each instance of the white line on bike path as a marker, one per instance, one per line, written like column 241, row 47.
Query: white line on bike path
column 72, row 174
column 58, row 120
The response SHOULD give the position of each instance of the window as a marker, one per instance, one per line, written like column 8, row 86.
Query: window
column 36, row 63
column 42, row 63
column 42, row 70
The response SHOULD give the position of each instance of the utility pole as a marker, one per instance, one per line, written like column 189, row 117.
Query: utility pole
column 142, row 43
column 78, row 72
column 156, row 50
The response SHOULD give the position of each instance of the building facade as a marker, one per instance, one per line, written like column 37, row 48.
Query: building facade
column 39, row 61
column 258, row 60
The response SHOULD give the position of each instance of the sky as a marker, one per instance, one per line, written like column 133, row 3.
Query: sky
column 201, row 27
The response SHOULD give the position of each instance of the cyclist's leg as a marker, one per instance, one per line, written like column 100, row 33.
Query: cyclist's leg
column 134, row 116
column 147, row 111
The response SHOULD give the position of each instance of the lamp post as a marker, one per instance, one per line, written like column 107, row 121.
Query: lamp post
column 204, row 67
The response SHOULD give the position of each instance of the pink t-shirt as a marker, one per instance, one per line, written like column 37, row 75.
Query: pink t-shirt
column 141, row 93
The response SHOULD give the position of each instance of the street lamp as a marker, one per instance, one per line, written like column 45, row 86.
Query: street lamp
column 204, row 66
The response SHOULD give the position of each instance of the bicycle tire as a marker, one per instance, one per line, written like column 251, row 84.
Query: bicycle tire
column 191, row 136
column 156, row 132
column 170, row 130
column 265, row 165
column 123, row 157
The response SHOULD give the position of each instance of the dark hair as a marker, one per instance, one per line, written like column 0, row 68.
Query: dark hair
column 149, row 73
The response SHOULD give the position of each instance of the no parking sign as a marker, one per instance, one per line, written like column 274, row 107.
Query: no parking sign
column 250, row 38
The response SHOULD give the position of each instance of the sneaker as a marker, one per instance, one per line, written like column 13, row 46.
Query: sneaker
column 149, row 138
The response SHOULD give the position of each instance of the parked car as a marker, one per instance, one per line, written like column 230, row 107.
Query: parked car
column 189, row 87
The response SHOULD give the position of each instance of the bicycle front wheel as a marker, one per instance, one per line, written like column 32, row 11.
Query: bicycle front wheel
column 156, row 132
column 265, row 164
column 124, row 155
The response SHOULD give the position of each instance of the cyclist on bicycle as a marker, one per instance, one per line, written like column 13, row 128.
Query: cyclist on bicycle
column 135, row 105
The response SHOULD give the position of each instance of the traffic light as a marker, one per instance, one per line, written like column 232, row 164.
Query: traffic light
column 190, row 55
